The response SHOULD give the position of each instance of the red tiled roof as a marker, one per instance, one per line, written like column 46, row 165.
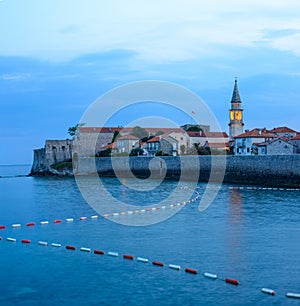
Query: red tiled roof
column 128, row 137
column 262, row 144
column 217, row 145
column 154, row 139
column 128, row 130
column 194, row 134
column 215, row 134
column 110, row 146
column 165, row 130
column 282, row 129
column 297, row 137
column 257, row 133
column 98, row 129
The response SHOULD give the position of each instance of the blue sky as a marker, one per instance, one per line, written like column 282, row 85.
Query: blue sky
column 57, row 57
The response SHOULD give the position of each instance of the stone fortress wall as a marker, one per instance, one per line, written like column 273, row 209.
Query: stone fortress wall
column 54, row 151
column 280, row 171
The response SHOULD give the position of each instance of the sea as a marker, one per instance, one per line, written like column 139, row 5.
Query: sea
column 248, row 234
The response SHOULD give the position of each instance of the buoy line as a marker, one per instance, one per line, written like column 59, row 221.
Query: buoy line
column 115, row 214
column 262, row 188
column 187, row 270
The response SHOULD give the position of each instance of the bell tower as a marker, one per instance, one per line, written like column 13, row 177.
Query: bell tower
column 236, row 124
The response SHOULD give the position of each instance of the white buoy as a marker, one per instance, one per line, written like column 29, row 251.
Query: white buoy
column 293, row 295
column 69, row 219
column 43, row 243
column 16, row 225
column 94, row 217
column 114, row 254
column 142, row 210
column 44, row 222
column 11, row 239
column 268, row 291
column 85, row 249
column 129, row 212
column 57, row 245
column 175, row 267
column 141, row 259
column 210, row 275
column 83, row 218
column 115, row 214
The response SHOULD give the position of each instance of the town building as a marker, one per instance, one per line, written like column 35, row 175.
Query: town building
column 215, row 139
column 88, row 141
column 296, row 142
column 277, row 146
column 245, row 143
column 126, row 143
column 166, row 145
column 283, row 132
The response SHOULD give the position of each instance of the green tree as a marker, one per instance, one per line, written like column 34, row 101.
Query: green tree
column 158, row 133
column 115, row 136
column 139, row 132
column 72, row 130
column 194, row 128
column 104, row 153
column 161, row 153
column 136, row 152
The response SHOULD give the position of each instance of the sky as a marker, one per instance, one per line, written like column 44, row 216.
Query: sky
column 57, row 57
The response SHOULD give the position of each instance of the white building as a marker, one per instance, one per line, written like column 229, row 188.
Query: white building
column 296, row 142
column 278, row 146
column 126, row 143
column 283, row 131
column 244, row 144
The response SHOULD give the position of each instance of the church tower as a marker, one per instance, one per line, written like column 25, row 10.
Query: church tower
column 236, row 125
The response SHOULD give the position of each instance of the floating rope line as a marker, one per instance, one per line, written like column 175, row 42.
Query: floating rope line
column 143, row 210
column 262, row 188
column 160, row 264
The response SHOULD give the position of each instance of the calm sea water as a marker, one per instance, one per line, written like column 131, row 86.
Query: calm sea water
column 249, row 235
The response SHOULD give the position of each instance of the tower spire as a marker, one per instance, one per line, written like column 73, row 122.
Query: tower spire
column 236, row 124
column 236, row 95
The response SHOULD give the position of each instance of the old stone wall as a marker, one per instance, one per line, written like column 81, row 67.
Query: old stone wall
column 277, row 170
column 58, row 151
column 39, row 165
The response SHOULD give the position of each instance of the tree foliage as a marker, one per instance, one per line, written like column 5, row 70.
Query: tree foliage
column 136, row 152
column 139, row 132
column 72, row 130
column 115, row 136
column 194, row 128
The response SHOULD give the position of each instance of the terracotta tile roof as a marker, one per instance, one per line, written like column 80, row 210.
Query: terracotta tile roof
column 126, row 130
column 154, row 139
column 297, row 137
column 165, row 130
column 110, row 146
column 98, row 129
column 282, row 129
column 217, row 145
column 194, row 134
column 262, row 144
column 128, row 137
column 257, row 133
column 215, row 134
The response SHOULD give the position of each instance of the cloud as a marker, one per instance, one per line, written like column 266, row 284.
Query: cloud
column 157, row 31
column 15, row 76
